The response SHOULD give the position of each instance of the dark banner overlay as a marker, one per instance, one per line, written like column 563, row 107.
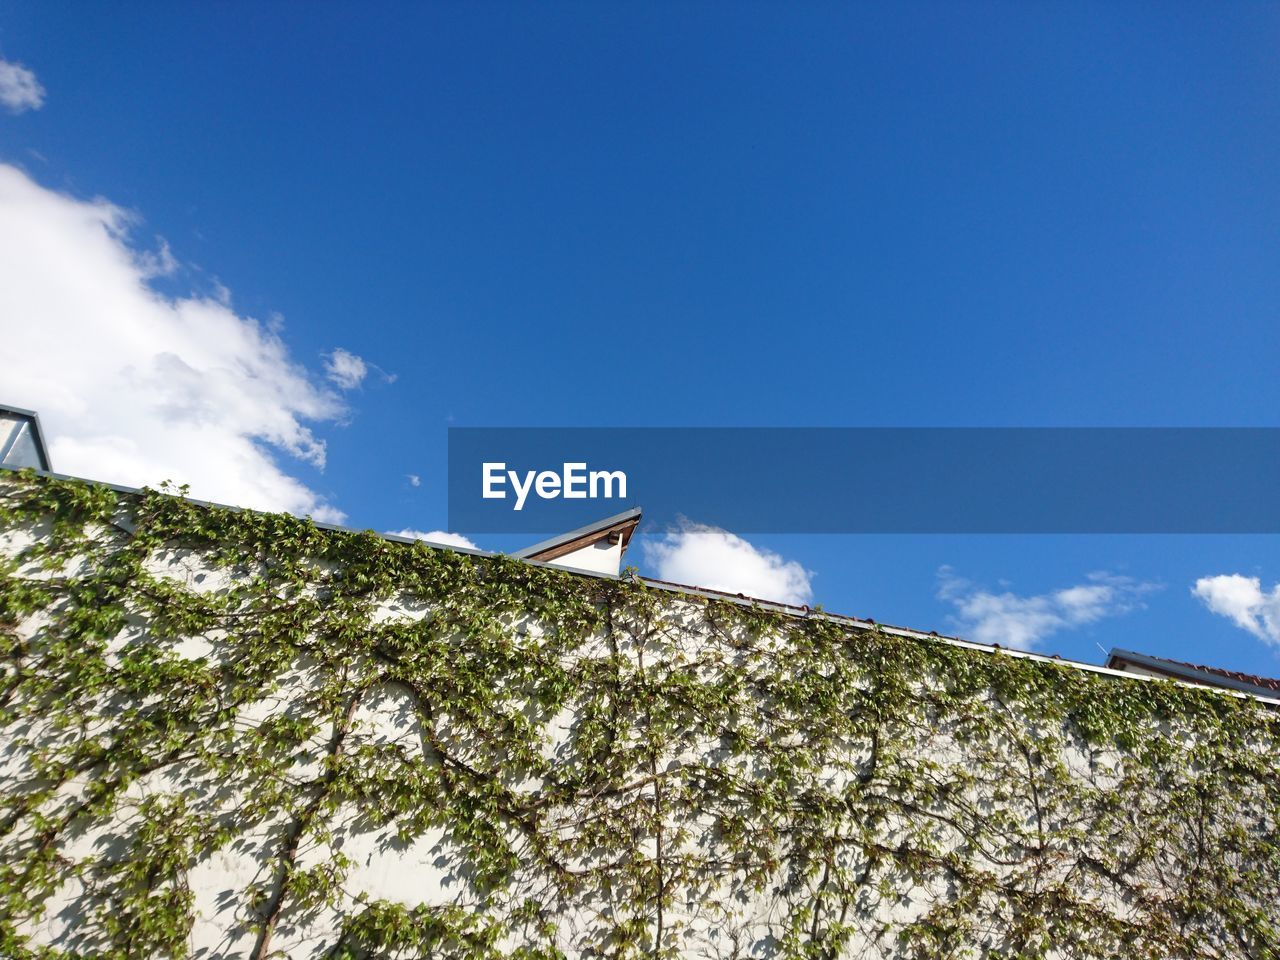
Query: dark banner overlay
column 869, row 480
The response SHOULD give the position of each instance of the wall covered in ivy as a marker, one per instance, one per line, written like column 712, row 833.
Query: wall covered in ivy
column 234, row 734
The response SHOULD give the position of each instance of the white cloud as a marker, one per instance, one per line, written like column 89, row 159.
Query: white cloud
column 414, row 479
column 437, row 537
column 136, row 387
column 346, row 369
column 1241, row 600
column 704, row 556
column 162, row 263
column 1018, row 621
column 19, row 88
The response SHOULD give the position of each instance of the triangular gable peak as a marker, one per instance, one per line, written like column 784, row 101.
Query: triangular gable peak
column 597, row 547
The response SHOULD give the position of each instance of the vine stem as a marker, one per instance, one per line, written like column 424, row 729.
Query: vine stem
column 293, row 839
column 659, row 880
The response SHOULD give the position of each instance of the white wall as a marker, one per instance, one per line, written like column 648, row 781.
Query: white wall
column 837, row 814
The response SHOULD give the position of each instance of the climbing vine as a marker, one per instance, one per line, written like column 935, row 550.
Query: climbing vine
column 229, row 733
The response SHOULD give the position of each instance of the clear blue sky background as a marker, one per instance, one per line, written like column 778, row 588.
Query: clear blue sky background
column 930, row 214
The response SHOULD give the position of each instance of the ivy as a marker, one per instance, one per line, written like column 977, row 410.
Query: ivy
column 547, row 765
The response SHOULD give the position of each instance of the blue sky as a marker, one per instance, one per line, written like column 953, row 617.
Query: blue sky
column 934, row 214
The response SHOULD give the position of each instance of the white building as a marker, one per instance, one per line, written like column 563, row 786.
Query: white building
column 230, row 734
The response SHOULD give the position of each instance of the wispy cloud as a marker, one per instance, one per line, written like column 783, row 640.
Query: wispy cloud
column 1022, row 621
column 162, row 263
column 1242, row 600
column 134, row 386
column 19, row 89
column 704, row 556
column 346, row 369
column 414, row 479
column 437, row 537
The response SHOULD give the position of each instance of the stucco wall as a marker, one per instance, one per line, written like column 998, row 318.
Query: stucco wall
column 490, row 759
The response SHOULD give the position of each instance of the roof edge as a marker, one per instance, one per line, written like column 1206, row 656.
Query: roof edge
column 1209, row 676
column 740, row 599
column 628, row 518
